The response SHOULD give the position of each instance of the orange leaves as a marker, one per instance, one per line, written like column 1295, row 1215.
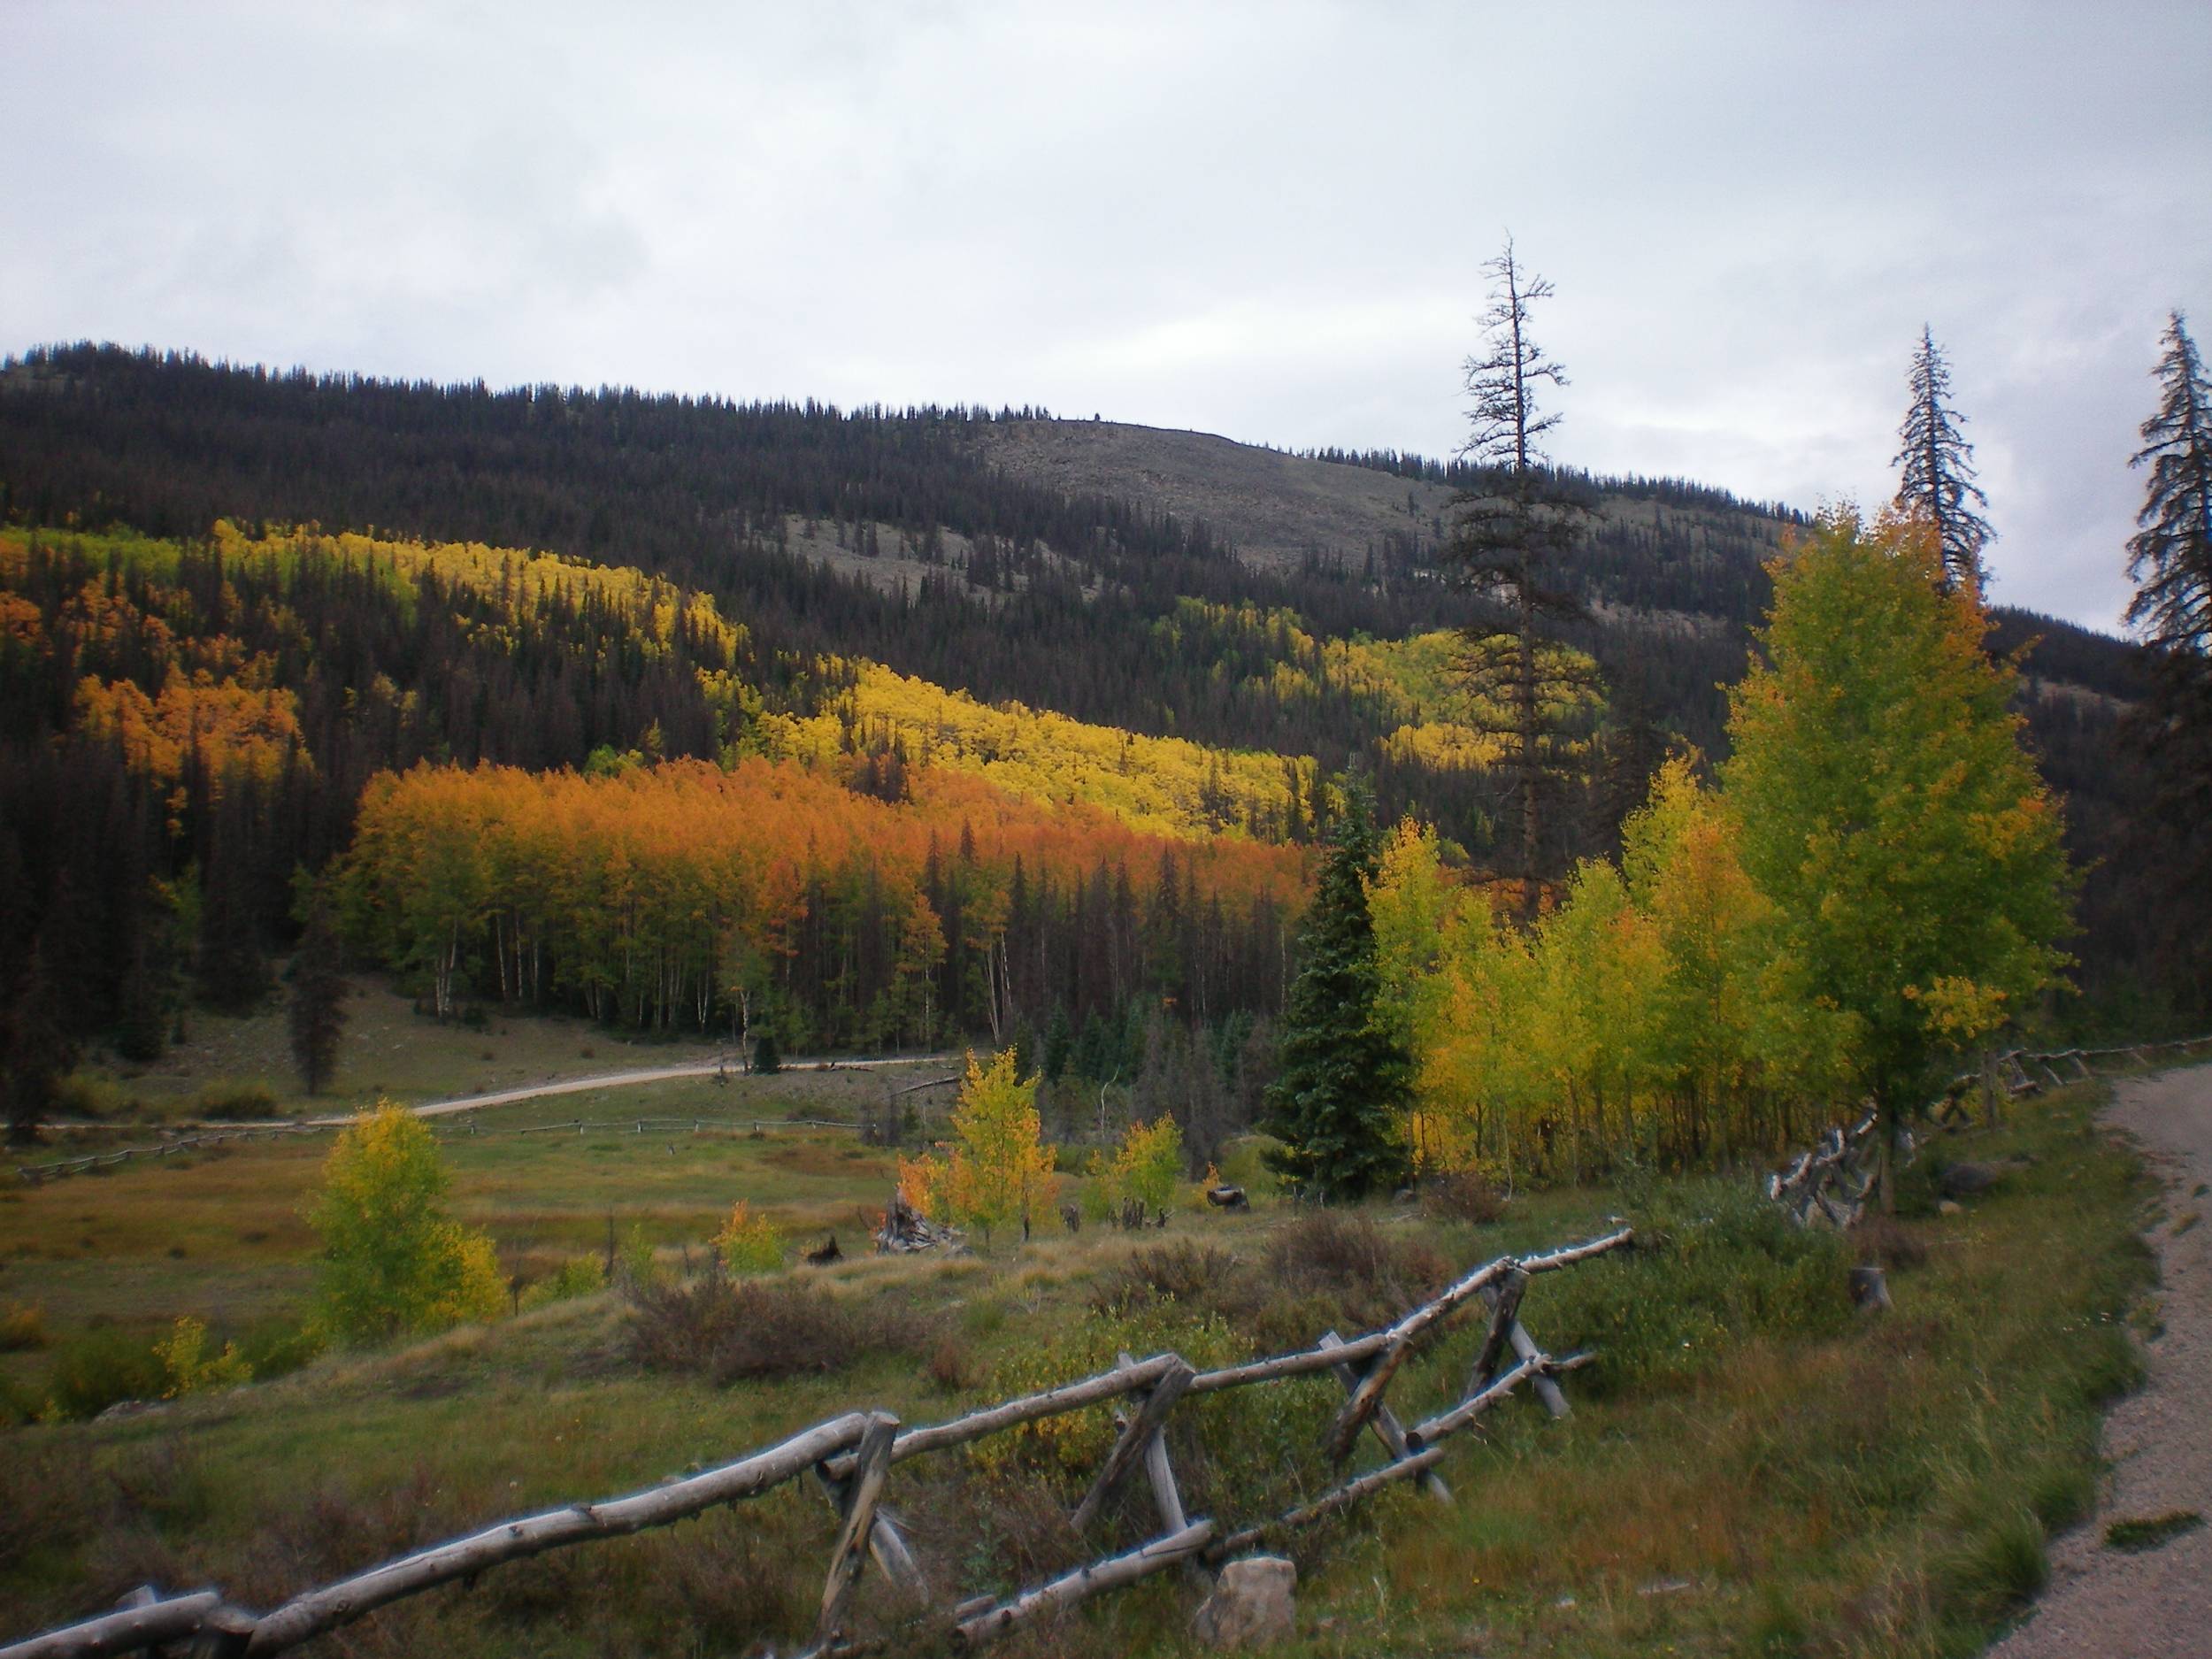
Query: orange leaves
column 231, row 725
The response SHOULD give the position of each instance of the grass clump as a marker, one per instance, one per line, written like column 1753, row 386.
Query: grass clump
column 730, row 1330
column 2138, row 1534
column 22, row 1327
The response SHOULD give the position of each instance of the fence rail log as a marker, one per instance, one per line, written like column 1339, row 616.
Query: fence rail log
column 1051, row 1403
column 325, row 1608
column 1328, row 1503
column 1085, row 1582
column 146, row 1625
column 1425, row 1436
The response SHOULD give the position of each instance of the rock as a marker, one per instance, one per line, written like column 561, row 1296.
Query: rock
column 1947, row 1207
column 1251, row 1605
column 1964, row 1181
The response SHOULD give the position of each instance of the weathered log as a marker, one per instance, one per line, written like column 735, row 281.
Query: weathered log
column 1068, row 1397
column 1366, row 1397
column 1385, row 1424
column 1503, row 1312
column 312, row 1613
column 872, row 1461
column 1425, row 1436
column 1166, row 1496
column 1525, row 1349
column 1302, row 1363
column 1139, row 1433
column 1228, row 1198
column 1085, row 1582
column 125, row 1630
column 1338, row 1498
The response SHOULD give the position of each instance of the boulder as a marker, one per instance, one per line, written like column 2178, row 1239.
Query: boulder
column 1964, row 1181
column 1251, row 1606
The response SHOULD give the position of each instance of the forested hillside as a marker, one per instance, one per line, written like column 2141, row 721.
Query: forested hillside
column 862, row 593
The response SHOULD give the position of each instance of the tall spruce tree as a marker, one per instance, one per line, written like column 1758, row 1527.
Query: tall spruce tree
column 1936, row 468
column 1509, row 534
column 1345, row 1080
column 318, row 1010
column 2170, row 559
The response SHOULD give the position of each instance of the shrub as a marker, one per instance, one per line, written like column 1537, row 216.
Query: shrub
column 1180, row 1271
column 1462, row 1195
column 235, row 1100
column 579, row 1276
column 730, row 1330
column 1348, row 1262
column 636, row 1263
column 749, row 1243
column 22, row 1327
column 392, row 1262
column 99, row 1369
column 189, row 1368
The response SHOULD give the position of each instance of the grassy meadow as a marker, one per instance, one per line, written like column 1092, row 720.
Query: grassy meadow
column 1753, row 1467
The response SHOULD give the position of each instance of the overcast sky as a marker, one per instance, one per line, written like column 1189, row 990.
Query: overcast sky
column 1266, row 221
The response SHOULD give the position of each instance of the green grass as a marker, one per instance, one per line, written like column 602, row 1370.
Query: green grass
column 1753, row 1468
column 2136, row 1535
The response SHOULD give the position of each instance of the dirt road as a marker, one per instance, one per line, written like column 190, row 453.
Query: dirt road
column 620, row 1079
column 2158, row 1604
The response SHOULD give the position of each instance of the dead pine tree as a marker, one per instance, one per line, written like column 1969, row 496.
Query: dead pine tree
column 1511, row 529
column 1935, row 469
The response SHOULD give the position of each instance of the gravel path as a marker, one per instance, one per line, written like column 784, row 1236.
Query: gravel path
column 2156, row 1605
column 623, row 1080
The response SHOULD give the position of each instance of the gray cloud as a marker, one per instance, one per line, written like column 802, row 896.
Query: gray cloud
column 1261, row 220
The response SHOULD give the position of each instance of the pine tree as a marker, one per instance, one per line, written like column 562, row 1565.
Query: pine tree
column 36, row 1049
column 1346, row 1081
column 1936, row 469
column 1508, row 536
column 317, row 1014
column 2169, row 558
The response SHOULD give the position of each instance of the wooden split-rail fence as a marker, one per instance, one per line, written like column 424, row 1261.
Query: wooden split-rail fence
column 1831, row 1182
column 851, row 1459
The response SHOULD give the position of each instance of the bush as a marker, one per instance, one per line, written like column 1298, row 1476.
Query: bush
column 100, row 1369
column 392, row 1263
column 1348, row 1262
column 1180, row 1271
column 749, row 1243
column 22, row 1327
column 579, row 1276
column 1713, row 1264
column 235, row 1100
column 189, row 1368
column 753, row 1328
column 1462, row 1195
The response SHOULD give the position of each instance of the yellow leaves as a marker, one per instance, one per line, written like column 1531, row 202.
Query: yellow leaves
column 1161, row 785
column 188, row 1368
column 1958, row 1008
column 1001, row 1172
column 750, row 1242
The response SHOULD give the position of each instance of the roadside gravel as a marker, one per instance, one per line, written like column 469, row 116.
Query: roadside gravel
column 2158, row 1604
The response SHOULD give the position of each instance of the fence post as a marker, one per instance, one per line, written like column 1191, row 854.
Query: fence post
column 1144, row 1424
column 1385, row 1423
column 871, row 1464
